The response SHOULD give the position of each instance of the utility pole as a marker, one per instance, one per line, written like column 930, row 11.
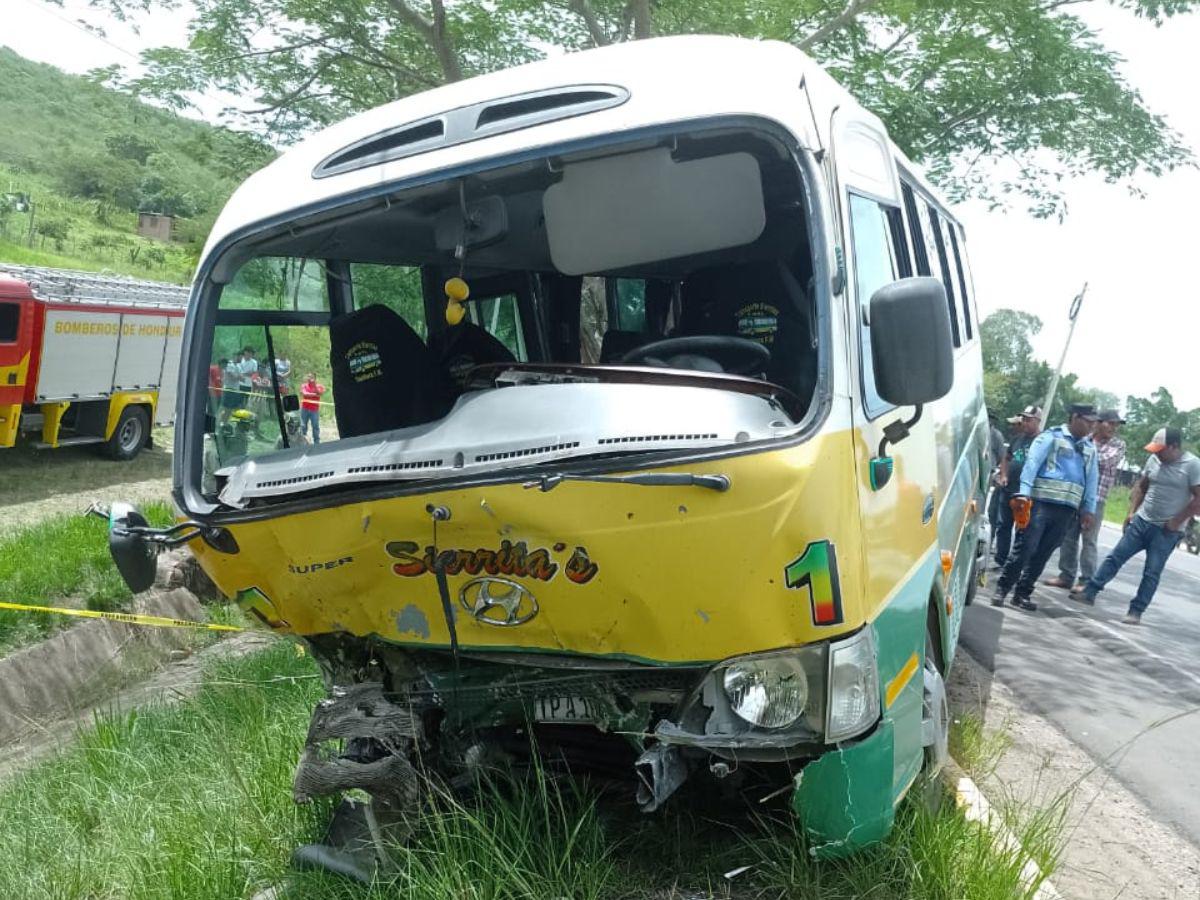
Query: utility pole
column 1076, row 304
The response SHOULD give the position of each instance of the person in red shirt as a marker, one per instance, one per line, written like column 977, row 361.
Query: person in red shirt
column 310, row 406
column 216, row 380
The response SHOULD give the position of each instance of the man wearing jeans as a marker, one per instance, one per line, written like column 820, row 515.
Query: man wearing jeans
column 1110, row 450
column 1163, row 501
column 310, row 406
column 1059, row 478
column 1008, row 481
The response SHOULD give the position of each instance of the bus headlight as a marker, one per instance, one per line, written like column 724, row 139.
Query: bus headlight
column 853, row 703
column 769, row 692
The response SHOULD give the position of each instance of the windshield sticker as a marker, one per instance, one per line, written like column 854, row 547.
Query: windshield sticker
column 816, row 569
column 758, row 322
column 512, row 559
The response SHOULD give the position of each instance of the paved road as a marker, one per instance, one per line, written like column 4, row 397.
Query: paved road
column 1129, row 695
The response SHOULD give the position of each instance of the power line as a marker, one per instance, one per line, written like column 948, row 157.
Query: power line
column 81, row 28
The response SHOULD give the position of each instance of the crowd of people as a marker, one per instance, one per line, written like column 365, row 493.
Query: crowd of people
column 244, row 383
column 1049, row 492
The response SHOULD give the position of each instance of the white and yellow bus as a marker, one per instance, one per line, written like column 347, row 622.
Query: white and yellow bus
column 654, row 425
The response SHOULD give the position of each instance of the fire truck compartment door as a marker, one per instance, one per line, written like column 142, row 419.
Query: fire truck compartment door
column 79, row 354
column 140, row 354
column 164, row 412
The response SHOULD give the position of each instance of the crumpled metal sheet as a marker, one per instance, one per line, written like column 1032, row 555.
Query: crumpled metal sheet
column 359, row 713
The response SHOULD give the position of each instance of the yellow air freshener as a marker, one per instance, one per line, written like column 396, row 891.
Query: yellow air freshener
column 457, row 291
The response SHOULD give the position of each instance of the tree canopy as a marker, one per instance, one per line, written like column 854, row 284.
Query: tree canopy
column 1014, row 378
column 962, row 86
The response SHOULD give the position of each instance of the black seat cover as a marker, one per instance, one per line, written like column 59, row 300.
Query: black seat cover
column 460, row 347
column 761, row 301
column 384, row 376
column 617, row 343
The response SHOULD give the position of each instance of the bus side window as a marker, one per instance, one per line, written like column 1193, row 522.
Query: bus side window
column 960, row 255
column 937, row 228
column 501, row 318
column 918, row 234
column 875, row 265
column 397, row 287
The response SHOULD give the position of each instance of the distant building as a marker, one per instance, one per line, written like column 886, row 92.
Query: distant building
column 156, row 226
column 19, row 202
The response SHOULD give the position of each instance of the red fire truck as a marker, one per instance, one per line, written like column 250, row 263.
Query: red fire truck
column 86, row 358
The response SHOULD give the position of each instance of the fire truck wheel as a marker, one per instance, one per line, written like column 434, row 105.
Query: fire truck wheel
column 130, row 435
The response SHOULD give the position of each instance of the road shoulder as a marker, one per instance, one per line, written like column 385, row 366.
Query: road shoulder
column 1114, row 847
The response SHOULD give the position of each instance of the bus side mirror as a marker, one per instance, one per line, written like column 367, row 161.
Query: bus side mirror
column 910, row 342
column 133, row 554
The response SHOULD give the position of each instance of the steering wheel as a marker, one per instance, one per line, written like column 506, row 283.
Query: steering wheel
column 736, row 355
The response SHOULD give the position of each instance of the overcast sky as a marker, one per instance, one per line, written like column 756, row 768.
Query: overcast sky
column 1140, row 324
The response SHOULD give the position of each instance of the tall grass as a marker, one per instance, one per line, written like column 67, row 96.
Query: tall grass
column 973, row 746
column 194, row 801
column 60, row 560
column 190, row 801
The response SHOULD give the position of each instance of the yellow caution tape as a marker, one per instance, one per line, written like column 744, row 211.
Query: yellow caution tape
column 127, row 618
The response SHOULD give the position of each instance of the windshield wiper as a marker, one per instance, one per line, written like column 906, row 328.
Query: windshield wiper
column 652, row 479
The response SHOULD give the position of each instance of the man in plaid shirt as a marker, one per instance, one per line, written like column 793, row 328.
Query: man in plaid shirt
column 1110, row 450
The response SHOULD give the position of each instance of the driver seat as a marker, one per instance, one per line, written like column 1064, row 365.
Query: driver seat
column 762, row 302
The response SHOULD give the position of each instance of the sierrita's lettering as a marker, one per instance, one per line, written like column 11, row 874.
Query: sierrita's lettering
column 513, row 559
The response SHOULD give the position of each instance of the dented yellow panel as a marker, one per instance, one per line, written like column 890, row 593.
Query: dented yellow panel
column 659, row 574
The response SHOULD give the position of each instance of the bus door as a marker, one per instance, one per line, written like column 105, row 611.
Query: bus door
column 898, row 519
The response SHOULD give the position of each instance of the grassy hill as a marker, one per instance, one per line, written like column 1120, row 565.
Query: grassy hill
column 90, row 158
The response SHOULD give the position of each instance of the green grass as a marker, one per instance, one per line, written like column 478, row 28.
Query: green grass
column 194, row 801
column 973, row 746
column 1116, row 507
column 190, row 801
column 62, row 560
column 21, row 255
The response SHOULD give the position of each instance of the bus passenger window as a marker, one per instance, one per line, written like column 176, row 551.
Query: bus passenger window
column 501, row 318
column 874, row 267
column 936, row 227
column 918, row 234
column 629, row 300
column 962, row 279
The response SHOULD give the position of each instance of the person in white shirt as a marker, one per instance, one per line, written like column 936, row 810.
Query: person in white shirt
column 247, row 368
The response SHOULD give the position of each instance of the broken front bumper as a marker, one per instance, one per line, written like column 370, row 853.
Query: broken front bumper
column 844, row 798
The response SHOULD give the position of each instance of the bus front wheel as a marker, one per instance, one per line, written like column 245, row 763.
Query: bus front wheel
column 935, row 711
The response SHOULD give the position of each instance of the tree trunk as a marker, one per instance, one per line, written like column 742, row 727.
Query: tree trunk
column 642, row 23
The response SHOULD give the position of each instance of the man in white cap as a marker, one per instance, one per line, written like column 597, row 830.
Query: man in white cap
column 1162, row 502
column 1110, row 450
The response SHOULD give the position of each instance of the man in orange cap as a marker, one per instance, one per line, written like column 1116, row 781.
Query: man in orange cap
column 1160, row 506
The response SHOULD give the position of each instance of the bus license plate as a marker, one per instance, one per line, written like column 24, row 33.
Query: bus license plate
column 565, row 709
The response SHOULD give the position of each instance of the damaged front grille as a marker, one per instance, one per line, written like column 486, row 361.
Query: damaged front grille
column 485, row 685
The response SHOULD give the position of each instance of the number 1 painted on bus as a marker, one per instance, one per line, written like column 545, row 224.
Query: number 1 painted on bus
column 816, row 569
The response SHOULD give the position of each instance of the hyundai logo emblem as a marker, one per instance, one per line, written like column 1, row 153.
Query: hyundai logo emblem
column 498, row 601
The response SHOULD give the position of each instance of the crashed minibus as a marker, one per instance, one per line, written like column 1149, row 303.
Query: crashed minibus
column 652, row 437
